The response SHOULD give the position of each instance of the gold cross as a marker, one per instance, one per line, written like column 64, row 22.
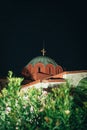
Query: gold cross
column 43, row 51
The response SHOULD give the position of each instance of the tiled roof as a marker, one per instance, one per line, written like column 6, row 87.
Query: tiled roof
column 42, row 59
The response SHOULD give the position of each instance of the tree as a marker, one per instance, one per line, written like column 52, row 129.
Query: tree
column 60, row 108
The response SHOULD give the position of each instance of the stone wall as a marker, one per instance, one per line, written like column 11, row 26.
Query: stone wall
column 74, row 78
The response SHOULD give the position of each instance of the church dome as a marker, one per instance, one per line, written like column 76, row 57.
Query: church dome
column 42, row 59
column 41, row 67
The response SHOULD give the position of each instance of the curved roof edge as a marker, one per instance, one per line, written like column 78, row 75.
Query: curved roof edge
column 42, row 59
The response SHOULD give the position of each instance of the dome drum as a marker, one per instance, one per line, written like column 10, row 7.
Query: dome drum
column 41, row 67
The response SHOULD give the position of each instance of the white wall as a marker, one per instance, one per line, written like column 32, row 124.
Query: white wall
column 42, row 85
column 74, row 78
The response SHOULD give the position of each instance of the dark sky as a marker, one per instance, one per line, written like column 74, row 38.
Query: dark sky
column 24, row 25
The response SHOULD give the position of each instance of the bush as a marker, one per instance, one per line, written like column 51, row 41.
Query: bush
column 61, row 108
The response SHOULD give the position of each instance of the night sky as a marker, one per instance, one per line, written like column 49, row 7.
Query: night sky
column 24, row 25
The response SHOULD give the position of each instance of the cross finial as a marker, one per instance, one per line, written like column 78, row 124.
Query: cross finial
column 43, row 50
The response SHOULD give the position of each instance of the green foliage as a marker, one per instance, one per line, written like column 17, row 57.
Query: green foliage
column 79, row 109
column 61, row 108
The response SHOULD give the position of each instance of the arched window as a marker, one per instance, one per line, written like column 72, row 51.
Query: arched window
column 27, row 72
column 39, row 70
column 49, row 70
column 57, row 71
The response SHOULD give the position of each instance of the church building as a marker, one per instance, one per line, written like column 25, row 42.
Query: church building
column 43, row 71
